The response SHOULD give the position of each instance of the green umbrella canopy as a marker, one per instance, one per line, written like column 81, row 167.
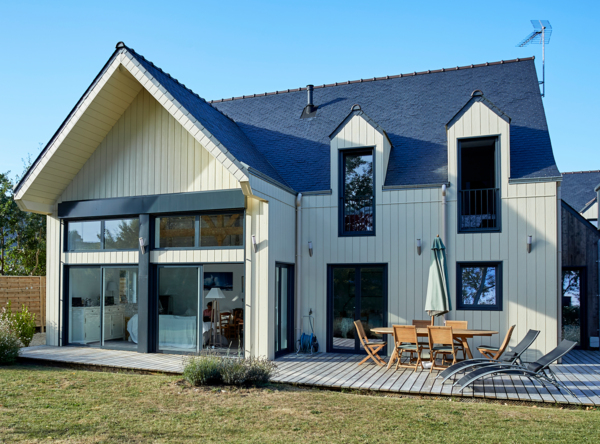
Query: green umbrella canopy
column 437, row 301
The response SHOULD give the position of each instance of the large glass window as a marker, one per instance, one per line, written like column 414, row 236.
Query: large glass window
column 479, row 286
column 206, row 230
column 112, row 234
column 357, row 197
column 85, row 235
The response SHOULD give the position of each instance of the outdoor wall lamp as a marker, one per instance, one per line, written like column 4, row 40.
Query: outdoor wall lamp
column 254, row 244
column 529, row 239
column 310, row 248
column 143, row 245
column 419, row 247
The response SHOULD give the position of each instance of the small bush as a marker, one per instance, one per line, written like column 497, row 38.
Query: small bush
column 10, row 346
column 212, row 369
column 23, row 323
column 203, row 370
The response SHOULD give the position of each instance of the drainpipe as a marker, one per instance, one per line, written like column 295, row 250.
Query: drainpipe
column 598, row 264
column 298, row 264
column 444, row 213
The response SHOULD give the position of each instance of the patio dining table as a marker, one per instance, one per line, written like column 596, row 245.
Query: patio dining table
column 459, row 333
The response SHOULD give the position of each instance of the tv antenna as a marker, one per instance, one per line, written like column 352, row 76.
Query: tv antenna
column 542, row 30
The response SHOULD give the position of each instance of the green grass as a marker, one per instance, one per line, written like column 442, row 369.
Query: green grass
column 42, row 404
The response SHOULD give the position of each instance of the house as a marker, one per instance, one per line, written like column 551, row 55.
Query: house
column 321, row 200
column 580, row 254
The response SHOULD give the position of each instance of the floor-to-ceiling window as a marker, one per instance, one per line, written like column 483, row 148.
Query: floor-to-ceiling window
column 355, row 292
column 284, row 312
column 103, row 306
column 179, row 302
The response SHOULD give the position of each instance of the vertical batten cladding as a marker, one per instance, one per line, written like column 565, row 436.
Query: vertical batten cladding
column 53, row 233
column 270, row 216
column 405, row 215
column 530, row 288
column 148, row 152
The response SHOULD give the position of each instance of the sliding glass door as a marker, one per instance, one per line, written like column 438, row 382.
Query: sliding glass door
column 284, row 309
column 179, row 308
column 103, row 306
column 355, row 292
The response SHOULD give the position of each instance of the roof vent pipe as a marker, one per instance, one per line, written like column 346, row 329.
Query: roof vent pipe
column 309, row 90
column 310, row 110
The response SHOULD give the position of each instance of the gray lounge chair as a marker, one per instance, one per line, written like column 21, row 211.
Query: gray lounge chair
column 512, row 357
column 539, row 370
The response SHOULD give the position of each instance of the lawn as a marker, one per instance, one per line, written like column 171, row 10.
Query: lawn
column 41, row 404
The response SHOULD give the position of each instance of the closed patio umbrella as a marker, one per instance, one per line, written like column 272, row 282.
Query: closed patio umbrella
column 437, row 301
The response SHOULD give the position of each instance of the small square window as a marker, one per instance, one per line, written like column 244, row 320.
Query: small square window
column 479, row 286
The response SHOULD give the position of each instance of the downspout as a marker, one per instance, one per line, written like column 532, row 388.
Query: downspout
column 298, row 265
column 444, row 213
column 598, row 265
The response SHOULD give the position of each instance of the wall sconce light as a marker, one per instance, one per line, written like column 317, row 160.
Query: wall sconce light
column 310, row 248
column 143, row 245
column 529, row 240
column 254, row 244
column 419, row 247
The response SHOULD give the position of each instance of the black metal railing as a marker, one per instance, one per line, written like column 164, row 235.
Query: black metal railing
column 479, row 209
column 358, row 214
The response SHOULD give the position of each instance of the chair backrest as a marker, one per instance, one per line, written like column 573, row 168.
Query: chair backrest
column 522, row 346
column 563, row 348
column 421, row 324
column 440, row 336
column 224, row 317
column 361, row 332
column 405, row 333
column 461, row 325
column 506, row 340
column 238, row 313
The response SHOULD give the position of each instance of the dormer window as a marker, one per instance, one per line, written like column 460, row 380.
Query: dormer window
column 357, row 198
column 479, row 193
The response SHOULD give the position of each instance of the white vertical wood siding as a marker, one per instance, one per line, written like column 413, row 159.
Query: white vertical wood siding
column 53, row 233
column 206, row 255
column 148, row 152
column 271, row 217
column 405, row 215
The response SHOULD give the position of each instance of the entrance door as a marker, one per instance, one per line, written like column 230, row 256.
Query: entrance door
column 179, row 308
column 355, row 292
column 573, row 306
column 284, row 309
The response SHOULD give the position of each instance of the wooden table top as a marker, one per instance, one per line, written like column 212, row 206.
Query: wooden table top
column 455, row 331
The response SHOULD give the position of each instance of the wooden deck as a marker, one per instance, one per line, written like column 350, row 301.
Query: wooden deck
column 580, row 370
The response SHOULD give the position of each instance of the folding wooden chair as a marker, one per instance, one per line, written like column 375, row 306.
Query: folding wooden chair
column 441, row 341
column 406, row 341
column 458, row 345
column 494, row 353
column 371, row 347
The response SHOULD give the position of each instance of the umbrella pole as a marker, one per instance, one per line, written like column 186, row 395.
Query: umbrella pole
column 432, row 321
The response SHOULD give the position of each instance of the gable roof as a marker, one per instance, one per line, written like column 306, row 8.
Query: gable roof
column 477, row 96
column 413, row 109
column 577, row 188
column 357, row 111
column 265, row 132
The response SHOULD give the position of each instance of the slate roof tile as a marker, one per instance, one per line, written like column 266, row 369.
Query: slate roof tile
column 577, row 188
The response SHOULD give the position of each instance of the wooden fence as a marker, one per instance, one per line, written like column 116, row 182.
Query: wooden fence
column 25, row 290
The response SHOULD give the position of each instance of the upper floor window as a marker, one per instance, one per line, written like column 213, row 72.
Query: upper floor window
column 357, row 198
column 194, row 231
column 478, row 194
column 112, row 234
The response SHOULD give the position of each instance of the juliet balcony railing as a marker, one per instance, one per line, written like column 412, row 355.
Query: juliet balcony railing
column 478, row 210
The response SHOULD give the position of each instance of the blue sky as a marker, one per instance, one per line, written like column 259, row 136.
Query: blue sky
column 51, row 52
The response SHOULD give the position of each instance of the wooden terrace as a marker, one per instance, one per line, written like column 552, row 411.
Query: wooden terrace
column 580, row 370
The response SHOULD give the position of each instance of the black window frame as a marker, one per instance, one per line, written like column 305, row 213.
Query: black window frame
column 197, row 230
column 498, row 306
column 497, row 173
column 66, row 247
column 341, row 190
